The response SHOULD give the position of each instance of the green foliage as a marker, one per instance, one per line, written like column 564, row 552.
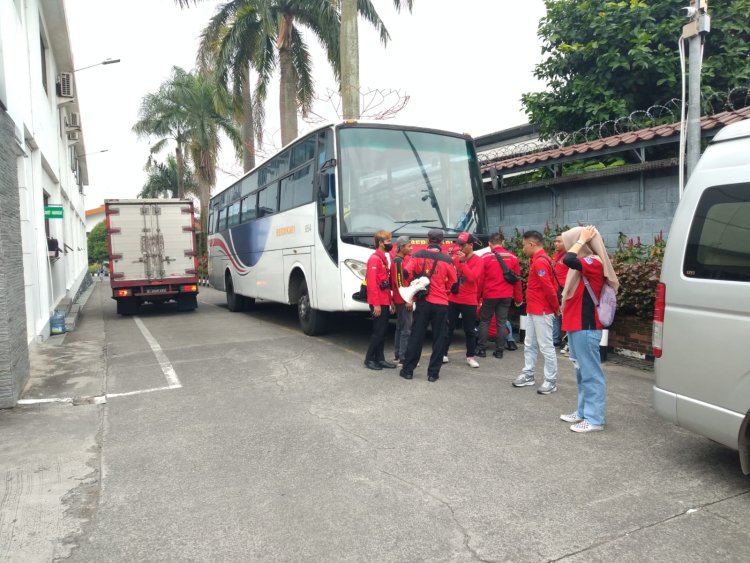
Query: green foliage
column 97, row 243
column 604, row 60
column 162, row 180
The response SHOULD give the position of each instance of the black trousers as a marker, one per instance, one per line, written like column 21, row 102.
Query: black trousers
column 469, row 318
column 500, row 309
column 427, row 314
column 375, row 352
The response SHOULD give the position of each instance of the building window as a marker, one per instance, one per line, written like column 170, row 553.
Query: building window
column 43, row 53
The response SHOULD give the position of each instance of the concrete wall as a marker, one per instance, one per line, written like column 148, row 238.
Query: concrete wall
column 612, row 203
column 14, row 354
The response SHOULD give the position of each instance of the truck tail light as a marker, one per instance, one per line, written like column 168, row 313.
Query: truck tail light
column 123, row 293
column 658, row 329
column 189, row 288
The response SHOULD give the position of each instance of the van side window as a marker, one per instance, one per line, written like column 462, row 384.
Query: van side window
column 718, row 245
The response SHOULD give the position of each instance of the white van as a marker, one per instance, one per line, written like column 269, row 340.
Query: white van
column 702, row 315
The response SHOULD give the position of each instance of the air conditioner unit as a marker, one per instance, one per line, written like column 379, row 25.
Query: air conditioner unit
column 74, row 135
column 74, row 120
column 65, row 85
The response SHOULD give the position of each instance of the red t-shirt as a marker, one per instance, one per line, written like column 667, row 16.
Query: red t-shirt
column 493, row 284
column 443, row 276
column 561, row 270
column 377, row 272
column 399, row 276
column 580, row 312
column 471, row 271
column 541, row 288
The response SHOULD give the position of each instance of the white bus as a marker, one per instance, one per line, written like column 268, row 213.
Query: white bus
column 298, row 229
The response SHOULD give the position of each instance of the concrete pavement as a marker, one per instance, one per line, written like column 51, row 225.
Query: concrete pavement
column 281, row 447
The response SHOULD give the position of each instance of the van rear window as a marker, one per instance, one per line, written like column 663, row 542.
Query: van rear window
column 718, row 245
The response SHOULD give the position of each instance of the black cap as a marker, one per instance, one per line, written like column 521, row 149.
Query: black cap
column 435, row 235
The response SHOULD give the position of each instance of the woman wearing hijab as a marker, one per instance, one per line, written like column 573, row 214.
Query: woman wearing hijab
column 586, row 257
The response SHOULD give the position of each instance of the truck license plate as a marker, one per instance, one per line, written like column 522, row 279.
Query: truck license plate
column 156, row 290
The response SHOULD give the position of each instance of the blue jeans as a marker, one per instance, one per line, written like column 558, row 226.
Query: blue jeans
column 557, row 330
column 592, row 387
column 509, row 328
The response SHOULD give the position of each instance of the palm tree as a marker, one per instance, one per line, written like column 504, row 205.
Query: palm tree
column 278, row 40
column 349, row 43
column 229, row 48
column 188, row 109
column 161, row 115
column 162, row 180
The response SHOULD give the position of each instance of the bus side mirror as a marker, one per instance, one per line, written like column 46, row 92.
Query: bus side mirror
column 323, row 180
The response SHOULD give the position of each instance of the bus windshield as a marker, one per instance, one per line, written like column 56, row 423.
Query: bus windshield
column 406, row 180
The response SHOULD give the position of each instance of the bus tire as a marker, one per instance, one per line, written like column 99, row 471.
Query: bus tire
column 235, row 303
column 312, row 321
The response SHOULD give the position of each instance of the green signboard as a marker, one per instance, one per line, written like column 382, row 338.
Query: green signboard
column 53, row 212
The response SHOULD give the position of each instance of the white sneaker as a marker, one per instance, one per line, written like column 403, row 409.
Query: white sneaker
column 472, row 362
column 586, row 426
column 565, row 351
column 572, row 417
column 446, row 359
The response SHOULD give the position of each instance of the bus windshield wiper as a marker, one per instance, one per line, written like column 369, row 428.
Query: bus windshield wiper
column 411, row 222
column 430, row 190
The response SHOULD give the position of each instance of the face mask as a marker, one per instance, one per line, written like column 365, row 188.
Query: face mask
column 388, row 246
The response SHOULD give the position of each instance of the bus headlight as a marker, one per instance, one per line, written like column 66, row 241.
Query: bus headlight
column 358, row 268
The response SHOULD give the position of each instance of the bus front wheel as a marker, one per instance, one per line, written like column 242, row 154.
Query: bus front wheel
column 312, row 321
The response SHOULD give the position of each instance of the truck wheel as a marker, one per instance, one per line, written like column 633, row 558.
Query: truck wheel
column 312, row 321
column 187, row 302
column 235, row 303
column 127, row 306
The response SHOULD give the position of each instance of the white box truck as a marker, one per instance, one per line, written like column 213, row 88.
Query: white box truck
column 152, row 252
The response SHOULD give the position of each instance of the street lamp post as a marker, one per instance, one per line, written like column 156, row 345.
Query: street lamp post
column 104, row 62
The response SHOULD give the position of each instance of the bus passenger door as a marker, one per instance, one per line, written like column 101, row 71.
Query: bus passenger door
column 327, row 276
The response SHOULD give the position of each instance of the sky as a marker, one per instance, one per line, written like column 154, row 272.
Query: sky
column 463, row 66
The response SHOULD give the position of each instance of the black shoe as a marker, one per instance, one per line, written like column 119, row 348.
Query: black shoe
column 481, row 352
column 433, row 378
column 405, row 375
column 369, row 364
column 498, row 354
column 557, row 344
column 387, row 365
column 511, row 345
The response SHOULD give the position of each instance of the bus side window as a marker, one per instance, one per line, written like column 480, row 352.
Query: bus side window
column 248, row 208
column 211, row 223
column 268, row 200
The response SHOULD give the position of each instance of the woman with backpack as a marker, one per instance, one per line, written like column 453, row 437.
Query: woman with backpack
column 589, row 266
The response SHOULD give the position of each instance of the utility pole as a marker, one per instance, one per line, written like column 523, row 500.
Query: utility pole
column 694, row 32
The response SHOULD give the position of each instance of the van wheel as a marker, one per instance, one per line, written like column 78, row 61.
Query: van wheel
column 312, row 321
column 235, row 303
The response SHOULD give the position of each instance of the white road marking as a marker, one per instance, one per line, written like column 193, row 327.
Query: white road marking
column 166, row 367
column 110, row 395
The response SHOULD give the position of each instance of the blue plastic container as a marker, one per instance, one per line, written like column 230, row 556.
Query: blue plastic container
column 57, row 323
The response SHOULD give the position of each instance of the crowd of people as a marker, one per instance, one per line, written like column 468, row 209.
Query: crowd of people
column 480, row 289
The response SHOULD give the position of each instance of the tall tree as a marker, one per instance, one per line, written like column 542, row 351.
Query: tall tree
column 606, row 59
column 281, row 44
column 162, row 180
column 230, row 47
column 349, row 44
column 161, row 115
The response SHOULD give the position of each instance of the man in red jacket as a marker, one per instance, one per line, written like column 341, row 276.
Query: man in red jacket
column 561, row 272
column 464, row 296
column 542, row 306
column 379, row 297
column 497, row 293
column 438, row 268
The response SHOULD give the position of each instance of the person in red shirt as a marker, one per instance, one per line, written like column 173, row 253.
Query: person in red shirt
column 379, row 297
column 496, row 293
column 438, row 267
column 561, row 272
column 588, row 260
column 464, row 300
column 399, row 278
column 541, row 308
